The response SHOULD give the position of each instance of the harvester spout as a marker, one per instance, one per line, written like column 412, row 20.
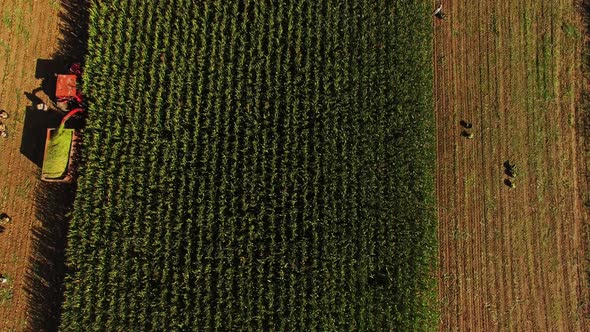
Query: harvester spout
column 69, row 115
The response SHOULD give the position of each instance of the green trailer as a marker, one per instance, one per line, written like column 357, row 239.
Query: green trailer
column 59, row 150
column 60, row 145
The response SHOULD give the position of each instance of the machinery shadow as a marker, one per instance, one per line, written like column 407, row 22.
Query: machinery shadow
column 35, row 127
column 45, row 69
column 53, row 202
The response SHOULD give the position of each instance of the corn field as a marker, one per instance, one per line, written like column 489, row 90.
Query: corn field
column 255, row 165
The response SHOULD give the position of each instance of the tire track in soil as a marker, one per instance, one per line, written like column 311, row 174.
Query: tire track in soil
column 509, row 259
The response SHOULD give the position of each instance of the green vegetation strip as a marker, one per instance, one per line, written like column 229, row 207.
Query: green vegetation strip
column 257, row 165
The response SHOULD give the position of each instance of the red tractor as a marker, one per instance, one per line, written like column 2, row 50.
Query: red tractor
column 66, row 89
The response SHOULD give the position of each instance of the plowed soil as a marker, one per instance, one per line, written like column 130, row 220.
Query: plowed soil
column 511, row 259
column 28, row 31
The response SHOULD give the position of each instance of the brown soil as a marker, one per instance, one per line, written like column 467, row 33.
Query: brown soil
column 511, row 259
column 31, row 246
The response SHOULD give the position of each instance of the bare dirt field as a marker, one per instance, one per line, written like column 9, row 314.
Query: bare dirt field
column 511, row 260
column 31, row 246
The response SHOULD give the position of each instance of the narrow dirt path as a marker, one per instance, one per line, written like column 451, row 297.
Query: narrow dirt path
column 510, row 259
